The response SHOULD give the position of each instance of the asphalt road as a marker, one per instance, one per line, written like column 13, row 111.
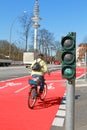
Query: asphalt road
column 7, row 73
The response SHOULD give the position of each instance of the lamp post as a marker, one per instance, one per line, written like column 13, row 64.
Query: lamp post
column 85, row 66
column 36, row 19
column 11, row 28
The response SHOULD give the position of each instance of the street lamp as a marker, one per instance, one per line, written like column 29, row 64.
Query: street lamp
column 11, row 32
column 51, row 48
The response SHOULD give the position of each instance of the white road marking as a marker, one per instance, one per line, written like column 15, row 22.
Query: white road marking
column 21, row 89
column 80, row 76
column 58, row 122
column 63, row 107
column 60, row 115
column 80, row 85
column 10, row 84
column 50, row 86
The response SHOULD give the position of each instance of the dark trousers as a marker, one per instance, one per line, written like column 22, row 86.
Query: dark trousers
column 41, row 79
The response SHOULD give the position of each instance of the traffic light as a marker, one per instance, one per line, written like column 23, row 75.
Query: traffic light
column 69, row 56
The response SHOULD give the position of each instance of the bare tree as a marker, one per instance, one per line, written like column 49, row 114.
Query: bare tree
column 26, row 23
column 16, row 52
column 4, row 48
column 45, row 39
column 57, row 47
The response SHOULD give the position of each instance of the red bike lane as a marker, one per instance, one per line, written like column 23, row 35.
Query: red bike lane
column 14, row 111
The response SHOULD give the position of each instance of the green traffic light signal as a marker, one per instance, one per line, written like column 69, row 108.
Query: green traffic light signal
column 68, row 72
column 69, row 56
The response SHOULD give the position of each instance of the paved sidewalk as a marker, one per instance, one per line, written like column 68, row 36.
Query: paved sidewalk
column 81, row 105
column 81, row 82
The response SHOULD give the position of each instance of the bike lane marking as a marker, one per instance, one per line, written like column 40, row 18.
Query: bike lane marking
column 21, row 89
column 10, row 84
column 49, row 85
column 60, row 115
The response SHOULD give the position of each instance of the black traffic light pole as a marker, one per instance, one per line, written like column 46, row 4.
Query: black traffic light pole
column 69, row 72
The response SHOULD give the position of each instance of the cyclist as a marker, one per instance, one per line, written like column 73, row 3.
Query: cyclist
column 40, row 73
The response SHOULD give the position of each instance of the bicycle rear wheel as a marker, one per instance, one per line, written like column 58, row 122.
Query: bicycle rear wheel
column 44, row 93
column 32, row 98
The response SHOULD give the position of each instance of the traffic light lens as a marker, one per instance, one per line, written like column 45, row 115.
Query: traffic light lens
column 68, row 43
column 68, row 57
column 68, row 72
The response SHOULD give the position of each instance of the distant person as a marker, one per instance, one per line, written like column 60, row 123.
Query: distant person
column 39, row 68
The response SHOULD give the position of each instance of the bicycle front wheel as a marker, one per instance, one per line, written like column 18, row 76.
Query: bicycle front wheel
column 32, row 98
column 44, row 93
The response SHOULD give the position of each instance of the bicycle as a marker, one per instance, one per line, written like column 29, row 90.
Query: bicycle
column 34, row 93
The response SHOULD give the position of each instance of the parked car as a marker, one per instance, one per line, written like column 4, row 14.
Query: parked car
column 57, row 62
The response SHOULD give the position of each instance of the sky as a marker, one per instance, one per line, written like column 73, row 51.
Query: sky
column 58, row 17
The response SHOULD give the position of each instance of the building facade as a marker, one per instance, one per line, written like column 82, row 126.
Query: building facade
column 81, row 50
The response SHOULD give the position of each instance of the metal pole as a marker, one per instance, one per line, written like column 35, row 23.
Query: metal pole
column 85, row 64
column 11, row 28
column 70, row 105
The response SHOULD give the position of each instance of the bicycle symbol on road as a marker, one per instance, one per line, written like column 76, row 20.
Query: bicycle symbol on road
column 50, row 86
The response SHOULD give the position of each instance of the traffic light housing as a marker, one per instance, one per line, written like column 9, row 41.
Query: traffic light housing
column 69, row 56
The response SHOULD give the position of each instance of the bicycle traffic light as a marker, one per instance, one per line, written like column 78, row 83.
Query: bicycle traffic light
column 69, row 56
